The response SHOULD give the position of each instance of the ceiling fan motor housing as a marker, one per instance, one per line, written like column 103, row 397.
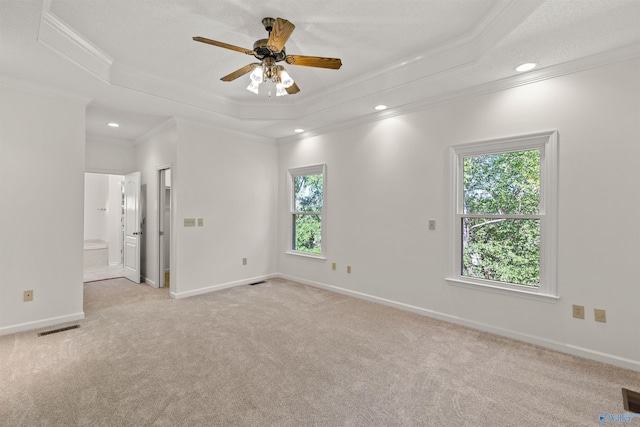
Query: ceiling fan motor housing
column 261, row 51
column 268, row 23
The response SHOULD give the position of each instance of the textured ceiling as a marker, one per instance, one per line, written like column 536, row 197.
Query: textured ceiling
column 136, row 61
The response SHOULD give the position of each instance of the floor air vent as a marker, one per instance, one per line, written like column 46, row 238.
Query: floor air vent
column 257, row 283
column 631, row 400
column 55, row 331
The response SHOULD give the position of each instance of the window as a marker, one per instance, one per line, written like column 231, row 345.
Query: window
column 504, row 214
column 307, row 210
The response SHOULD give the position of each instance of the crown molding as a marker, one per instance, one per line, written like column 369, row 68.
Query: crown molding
column 67, row 42
column 208, row 127
column 99, row 139
column 42, row 90
column 571, row 67
column 162, row 127
column 456, row 53
column 407, row 80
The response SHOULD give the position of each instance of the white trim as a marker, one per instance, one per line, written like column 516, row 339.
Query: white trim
column 162, row 127
column 58, row 36
column 582, row 64
column 514, row 290
column 306, row 255
column 208, row 127
column 52, row 321
column 561, row 347
column 213, row 288
column 302, row 171
column 547, row 143
column 100, row 139
column 149, row 282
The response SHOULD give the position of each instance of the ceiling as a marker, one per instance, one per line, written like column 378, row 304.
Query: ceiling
column 135, row 62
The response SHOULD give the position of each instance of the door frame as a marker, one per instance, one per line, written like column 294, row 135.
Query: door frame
column 161, row 221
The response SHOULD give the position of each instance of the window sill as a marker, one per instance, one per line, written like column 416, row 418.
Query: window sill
column 306, row 255
column 500, row 290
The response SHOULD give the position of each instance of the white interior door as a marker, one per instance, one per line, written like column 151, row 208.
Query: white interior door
column 132, row 227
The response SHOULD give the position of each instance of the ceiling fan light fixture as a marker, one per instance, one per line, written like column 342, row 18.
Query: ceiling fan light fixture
column 285, row 78
column 256, row 75
column 281, row 90
column 253, row 86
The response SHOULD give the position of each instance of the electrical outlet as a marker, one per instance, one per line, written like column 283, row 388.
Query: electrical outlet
column 578, row 311
column 432, row 224
column 244, row 261
column 600, row 315
column 28, row 295
column 348, row 269
column 333, row 266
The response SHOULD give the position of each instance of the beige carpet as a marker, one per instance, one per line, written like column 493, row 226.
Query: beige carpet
column 284, row 354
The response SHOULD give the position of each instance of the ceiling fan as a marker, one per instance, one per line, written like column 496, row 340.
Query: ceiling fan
column 270, row 51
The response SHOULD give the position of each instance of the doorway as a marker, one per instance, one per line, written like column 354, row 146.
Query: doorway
column 103, row 226
column 164, row 227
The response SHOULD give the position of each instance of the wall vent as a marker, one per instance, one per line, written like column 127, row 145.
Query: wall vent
column 55, row 331
column 631, row 400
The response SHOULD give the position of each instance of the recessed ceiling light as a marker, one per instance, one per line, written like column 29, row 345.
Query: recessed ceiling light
column 298, row 130
column 526, row 67
column 380, row 107
column 113, row 124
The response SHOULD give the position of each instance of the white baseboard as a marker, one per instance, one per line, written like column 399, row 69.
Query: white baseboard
column 52, row 321
column 586, row 353
column 221, row 286
column 149, row 282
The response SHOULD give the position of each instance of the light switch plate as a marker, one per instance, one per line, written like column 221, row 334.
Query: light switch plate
column 432, row 224
column 189, row 222
column 200, row 222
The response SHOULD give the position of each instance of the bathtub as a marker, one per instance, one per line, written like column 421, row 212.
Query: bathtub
column 96, row 253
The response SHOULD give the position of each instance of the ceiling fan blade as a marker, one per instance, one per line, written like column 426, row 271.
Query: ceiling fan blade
column 279, row 34
column 314, row 61
column 224, row 45
column 293, row 89
column 241, row 72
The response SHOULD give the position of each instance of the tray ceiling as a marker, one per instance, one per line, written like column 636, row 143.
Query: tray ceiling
column 136, row 61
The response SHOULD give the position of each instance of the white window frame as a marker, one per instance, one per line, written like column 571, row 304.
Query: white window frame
column 547, row 143
column 291, row 174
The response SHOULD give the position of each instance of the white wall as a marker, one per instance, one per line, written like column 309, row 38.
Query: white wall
column 41, row 189
column 386, row 179
column 114, row 157
column 230, row 182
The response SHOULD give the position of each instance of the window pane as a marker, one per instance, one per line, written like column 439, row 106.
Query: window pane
column 504, row 250
column 307, row 233
column 308, row 193
column 504, row 183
